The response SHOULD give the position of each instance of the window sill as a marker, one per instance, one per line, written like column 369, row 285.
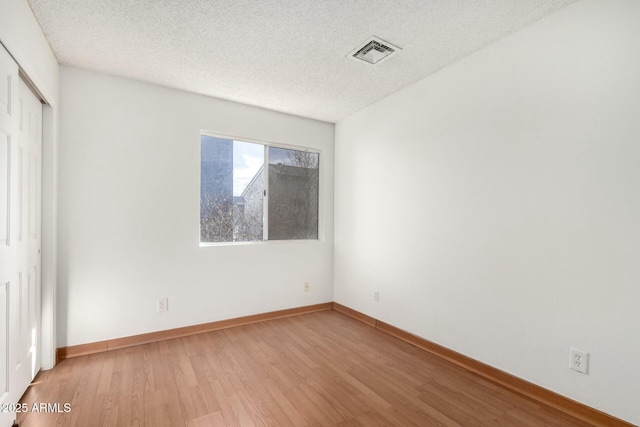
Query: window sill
column 259, row 242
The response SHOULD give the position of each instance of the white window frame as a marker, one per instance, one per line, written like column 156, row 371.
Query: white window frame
column 265, row 211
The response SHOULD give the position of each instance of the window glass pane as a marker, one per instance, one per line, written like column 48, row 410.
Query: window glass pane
column 231, row 190
column 293, row 194
column 248, row 191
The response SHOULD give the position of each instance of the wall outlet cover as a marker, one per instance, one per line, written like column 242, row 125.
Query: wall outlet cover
column 579, row 360
column 163, row 304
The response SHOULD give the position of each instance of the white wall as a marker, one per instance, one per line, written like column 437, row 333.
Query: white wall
column 496, row 205
column 20, row 33
column 129, row 213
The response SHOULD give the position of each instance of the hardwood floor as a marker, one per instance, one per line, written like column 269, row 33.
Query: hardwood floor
column 318, row 369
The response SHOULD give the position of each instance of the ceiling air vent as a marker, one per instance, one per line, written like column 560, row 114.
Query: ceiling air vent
column 374, row 51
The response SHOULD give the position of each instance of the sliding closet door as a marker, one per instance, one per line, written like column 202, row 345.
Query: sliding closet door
column 20, row 241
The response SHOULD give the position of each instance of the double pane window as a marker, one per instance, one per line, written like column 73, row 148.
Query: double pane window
column 255, row 192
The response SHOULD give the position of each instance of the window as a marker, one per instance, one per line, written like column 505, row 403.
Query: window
column 242, row 200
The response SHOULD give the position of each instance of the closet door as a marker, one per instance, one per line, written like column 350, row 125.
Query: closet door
column 20, row 207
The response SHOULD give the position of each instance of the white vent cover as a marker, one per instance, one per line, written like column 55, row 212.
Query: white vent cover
column 374, row 51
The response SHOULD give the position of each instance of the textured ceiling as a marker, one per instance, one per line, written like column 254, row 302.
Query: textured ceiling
column 285, row 55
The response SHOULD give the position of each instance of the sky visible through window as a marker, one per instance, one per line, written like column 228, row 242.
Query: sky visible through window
column 279, row 155
column 247, row 161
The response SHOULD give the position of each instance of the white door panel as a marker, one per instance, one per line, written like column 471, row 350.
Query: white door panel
column 5, row 182
column 8, row 247
column 4, row 344
column 20, row 210
column 27, row 363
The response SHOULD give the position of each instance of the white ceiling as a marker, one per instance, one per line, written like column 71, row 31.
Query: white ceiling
column 285, row 55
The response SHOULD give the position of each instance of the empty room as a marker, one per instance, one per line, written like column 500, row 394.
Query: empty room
column 319, row 213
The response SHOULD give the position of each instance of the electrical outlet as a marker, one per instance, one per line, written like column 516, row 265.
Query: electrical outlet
column 163, row 304
column 579, row 360
column 376, row 296
column 307, row 286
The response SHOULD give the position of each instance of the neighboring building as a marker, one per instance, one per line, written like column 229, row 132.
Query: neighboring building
column 216, row 189
column 248, row 210
column 293, row 202
column 293, row 205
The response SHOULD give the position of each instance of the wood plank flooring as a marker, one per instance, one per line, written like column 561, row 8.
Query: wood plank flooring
column 318, row 369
